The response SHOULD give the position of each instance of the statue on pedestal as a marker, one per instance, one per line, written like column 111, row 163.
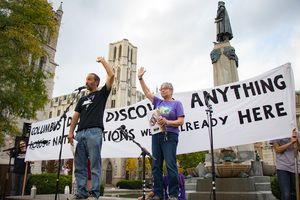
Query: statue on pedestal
column 224, row 32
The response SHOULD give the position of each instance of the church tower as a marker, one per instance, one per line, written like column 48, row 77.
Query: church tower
column 48, row 64
column 122, row 58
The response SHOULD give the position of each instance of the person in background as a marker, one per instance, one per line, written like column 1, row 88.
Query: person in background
column 164, row 144
column 285, row 164
column 89, row 112
column 66, row 169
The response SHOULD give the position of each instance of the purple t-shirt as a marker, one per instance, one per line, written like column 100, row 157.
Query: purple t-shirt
column 285, row 160
column 170, row 110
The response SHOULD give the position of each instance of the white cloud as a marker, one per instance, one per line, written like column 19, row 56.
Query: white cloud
column 174, row 39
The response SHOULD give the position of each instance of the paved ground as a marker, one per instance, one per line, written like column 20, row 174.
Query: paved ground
column 59, row 197
column 113, row 192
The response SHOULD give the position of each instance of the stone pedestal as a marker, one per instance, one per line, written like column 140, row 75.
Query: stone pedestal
column 254, row 188
column 224, row 64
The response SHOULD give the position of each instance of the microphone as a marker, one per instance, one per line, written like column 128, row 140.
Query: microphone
column 122, row 127
column 80, row 88
column 43, row 142
column 206, row 99
column 39, row 142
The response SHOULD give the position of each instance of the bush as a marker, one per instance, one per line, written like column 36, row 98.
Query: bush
column 275, row 187
column 130, row 184
column 46, row 183
column 101, row 190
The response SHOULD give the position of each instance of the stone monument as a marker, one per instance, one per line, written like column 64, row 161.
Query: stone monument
column 225, row 63
column 238, row 171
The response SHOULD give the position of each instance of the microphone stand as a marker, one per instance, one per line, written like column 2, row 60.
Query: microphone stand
column 64, row 116
column 209, row 112
column 8, row 170
column 144, row 153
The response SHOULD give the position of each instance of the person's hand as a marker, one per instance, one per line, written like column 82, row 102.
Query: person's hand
column 141, row 72
column 10, row 140
column 100, row 59
column 70, row 138
column 294, row 136
column 162, row 121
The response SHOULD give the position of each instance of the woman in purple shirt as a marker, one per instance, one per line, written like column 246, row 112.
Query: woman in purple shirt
column 164, row 144
column 285, row 164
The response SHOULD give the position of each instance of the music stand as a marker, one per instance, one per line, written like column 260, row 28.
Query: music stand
column 64, row 116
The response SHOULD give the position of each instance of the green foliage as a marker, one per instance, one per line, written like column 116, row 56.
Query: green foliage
column 275, row 187
column 26, row 27
column 101, row 190
column 191, row 160
column 130, row 184
column 135, row 165
column 46, row 183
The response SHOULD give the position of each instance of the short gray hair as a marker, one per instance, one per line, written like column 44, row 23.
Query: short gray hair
column 169, row 85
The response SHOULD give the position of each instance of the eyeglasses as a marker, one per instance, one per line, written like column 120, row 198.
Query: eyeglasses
column 162, row 89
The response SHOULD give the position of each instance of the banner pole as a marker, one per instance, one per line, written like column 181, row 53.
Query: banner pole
column 25, row 175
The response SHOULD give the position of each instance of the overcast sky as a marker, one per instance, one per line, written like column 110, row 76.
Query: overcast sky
column 174, row 39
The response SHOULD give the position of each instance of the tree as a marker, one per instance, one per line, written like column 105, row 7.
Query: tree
column 135, row 165
column 191, row 160
column 26, row 27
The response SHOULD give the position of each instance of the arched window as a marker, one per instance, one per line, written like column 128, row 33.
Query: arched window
column 42, row 63
column 131, row 55
column 109, row 173
column 115, row 53
column 32, row 61
column 120, row 51
column 128, row 52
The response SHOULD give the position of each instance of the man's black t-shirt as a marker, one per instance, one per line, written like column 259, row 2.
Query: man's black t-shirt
column 91, row 109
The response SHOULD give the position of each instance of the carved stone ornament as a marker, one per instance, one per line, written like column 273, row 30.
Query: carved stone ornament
column 215, row 55
column 230, row 53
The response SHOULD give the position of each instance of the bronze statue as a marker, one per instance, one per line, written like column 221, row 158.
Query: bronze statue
column 224, row 33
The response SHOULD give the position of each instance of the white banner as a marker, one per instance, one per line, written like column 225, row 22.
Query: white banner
column 254, row 110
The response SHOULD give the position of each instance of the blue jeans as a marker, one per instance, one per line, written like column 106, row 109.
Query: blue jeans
column 287, row 184
column 163, row 149
column 89, row 146
column 17, row 184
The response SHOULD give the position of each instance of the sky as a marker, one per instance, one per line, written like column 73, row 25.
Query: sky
column 174, row 39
